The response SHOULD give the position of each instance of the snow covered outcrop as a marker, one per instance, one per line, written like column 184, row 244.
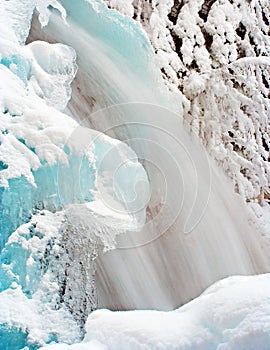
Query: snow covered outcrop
column 216, row 54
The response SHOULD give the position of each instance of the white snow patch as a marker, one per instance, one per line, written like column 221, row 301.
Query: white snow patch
column 233, row 314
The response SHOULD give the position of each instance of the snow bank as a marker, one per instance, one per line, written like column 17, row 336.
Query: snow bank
column 233, row 314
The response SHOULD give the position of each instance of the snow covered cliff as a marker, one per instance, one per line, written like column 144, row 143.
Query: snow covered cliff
column 216, row 54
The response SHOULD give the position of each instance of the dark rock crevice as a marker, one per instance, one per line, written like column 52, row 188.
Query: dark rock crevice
column 175, row 10
column 205, row 9
column 241, row 31
column 177, row 43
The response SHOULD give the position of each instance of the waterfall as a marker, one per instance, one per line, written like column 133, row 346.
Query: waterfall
column 107, row 199
column 197, row 230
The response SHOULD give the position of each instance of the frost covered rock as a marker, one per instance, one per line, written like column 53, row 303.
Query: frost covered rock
column 224, row 44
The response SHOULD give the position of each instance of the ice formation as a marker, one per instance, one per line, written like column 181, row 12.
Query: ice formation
column 64, row 189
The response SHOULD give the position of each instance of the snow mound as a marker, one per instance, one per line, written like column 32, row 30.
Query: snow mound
column 233, row 314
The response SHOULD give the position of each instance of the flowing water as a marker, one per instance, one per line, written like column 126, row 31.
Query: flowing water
column 197, row 230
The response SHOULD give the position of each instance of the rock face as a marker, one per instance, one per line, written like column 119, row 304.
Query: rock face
column 215, row 53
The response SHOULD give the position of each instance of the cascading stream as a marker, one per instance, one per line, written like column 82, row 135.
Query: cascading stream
column 198, row 230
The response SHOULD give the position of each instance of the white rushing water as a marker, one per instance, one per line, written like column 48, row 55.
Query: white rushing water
column 198, row 230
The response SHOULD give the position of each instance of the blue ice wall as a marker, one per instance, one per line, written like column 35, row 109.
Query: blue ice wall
column 13, row 339
column 120, row 33
column 56, row 186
